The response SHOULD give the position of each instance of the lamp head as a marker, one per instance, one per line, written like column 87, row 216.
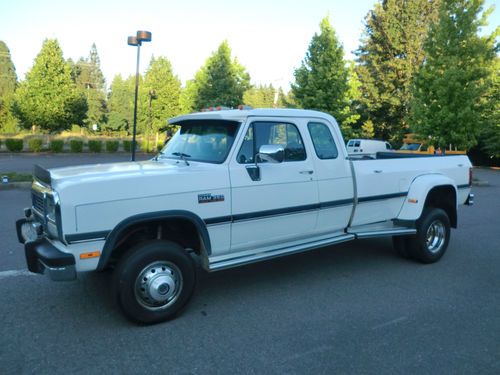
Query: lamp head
column 143, row 36
column 132, row 41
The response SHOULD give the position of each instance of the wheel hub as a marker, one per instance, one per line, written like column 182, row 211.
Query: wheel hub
column 158, row 285
column 436, row 235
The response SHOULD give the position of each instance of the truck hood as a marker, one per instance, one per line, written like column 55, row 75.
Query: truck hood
column 131, row 180
column 82, row 173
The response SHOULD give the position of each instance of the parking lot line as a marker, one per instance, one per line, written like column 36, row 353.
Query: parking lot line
column 14, row 273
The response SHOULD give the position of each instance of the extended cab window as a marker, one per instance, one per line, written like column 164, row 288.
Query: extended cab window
column 272, row 133
column 324, row 145
column 202, row 140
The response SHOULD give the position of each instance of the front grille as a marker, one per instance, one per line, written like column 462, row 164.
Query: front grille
column 37, row 202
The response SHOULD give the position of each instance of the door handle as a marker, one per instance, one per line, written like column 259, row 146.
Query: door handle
column 306, row 172
column 377, row 171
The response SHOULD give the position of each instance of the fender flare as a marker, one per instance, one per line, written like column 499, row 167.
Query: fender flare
column 417, row 194
column 122, row 226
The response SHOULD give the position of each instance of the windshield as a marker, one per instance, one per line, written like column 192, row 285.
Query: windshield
column 411, row 146
column 201, row 140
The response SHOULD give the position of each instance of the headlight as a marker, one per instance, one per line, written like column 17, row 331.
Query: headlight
column 51, row 208
column 50, row 212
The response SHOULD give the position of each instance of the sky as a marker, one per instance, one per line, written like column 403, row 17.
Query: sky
column 269, row 37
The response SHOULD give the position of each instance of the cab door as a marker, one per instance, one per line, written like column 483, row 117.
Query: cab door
column 280, row 206
column 335, row 182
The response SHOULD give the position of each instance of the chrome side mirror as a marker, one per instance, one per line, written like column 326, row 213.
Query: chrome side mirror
column 272, row 153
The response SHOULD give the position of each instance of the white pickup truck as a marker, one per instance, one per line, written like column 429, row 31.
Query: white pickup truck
column 234, row 187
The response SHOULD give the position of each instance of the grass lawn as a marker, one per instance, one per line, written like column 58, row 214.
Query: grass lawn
column 17, row 177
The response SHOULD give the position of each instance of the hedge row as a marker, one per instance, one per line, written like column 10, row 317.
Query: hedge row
column 57, row 145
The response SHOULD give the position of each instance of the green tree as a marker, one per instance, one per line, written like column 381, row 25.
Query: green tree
column 8, row 77
column 8, row 81
column 321, row 82
column 188, row 97
column 221, row 81
column 163, row 90
column 120, row 104
column 90, row 81
column 450, row 89
column 265, row 96
column 490, row 135
column 48, row 98
column 389, row 56
column 351, row 111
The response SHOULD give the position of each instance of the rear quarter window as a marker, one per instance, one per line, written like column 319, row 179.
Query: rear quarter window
column 322, row 139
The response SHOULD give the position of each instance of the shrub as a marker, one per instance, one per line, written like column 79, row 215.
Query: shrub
column 76, row 145
column 14, row 145
column 112, row 146
column 35, row 144
column 95, row 145
column 159, row 146
column 0, row 143
column 144, row 146
column 127, row 145
column 56, row 145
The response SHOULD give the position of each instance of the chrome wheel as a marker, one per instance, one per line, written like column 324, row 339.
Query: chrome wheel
column 158, row 285
column 436, row 236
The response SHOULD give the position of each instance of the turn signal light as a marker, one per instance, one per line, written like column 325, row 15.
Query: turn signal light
column 92, row 254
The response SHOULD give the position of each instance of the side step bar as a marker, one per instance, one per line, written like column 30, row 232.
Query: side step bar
column 387, row 233
column 383, row 229
column 253, row 258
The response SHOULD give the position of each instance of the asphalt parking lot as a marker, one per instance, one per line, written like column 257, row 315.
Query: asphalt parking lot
column 354, row 308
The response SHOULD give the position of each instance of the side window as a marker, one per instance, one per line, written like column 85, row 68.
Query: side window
column 272, row 133
column 324, row 145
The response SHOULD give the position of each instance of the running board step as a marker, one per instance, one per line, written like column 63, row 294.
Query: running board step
column 384, row 229
column 257, row 257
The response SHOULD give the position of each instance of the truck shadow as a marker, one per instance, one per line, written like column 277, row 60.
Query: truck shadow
column 335, row 264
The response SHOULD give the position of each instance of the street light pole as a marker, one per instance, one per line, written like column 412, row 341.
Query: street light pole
column 142, row 36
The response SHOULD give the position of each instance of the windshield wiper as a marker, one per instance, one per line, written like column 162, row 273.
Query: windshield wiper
column 182, row 156
column 158, row 155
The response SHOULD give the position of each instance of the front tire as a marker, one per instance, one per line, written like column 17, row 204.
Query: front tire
column 432, row 238
column 154, row 281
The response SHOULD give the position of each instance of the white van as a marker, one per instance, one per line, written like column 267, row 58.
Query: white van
column 367, row 148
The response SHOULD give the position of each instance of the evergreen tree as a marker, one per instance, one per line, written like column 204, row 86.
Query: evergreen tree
column 490, row 135
column 389, row 56
column 188, row 97
column 48, row 98
column 450, row 89
column 321, row 82
column 163, row 89
column 120, row 104
column 90, row 80
column 351, row 111
column 8, row 80
column 264, row 96
column 221, row 81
